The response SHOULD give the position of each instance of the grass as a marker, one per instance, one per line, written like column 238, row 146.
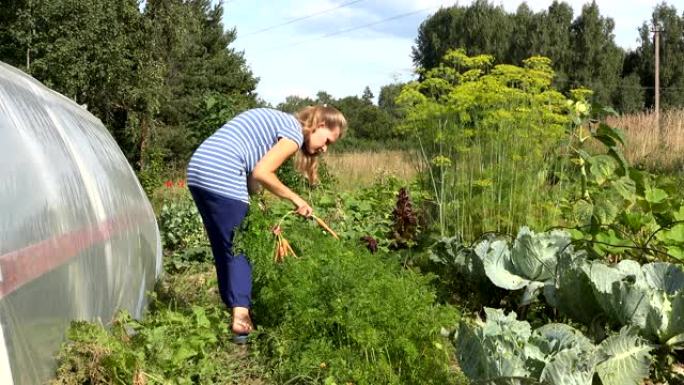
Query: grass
column 360, row 169
column 643, row 147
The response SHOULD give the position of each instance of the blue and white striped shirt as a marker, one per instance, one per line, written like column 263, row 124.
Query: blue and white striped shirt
column 223, row 161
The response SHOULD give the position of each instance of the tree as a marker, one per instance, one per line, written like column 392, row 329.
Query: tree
column 365, row 120
column 323, row 97
column 583, row 51
column 295, row 103
column 388, row 96
column 642, row 59
column 525, row 33
column 630, row 94
column 367, row 95
column 479, row 28
column 554, row 42
column 148, row 75
column 16, row 29
column 202, row 76
column 597, row 60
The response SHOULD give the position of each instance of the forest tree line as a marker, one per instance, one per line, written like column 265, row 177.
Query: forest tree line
column 162, row 75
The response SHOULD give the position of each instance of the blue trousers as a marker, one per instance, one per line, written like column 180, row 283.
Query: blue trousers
column 221, row 215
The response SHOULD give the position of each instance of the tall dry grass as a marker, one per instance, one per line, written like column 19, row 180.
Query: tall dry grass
column 360, row 169
column 643, row 147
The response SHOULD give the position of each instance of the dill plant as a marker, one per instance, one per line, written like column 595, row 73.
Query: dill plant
column 490, row 135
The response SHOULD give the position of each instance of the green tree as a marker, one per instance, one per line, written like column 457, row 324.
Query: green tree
column 367, row 95
column 323, row 97
column 16, row 30
column 387, row 102
column 554, row 41
column 671, row 57
column 479, row 28
column 202, row 76
column 295, row 103
column 525, row 34
column 630, row 96
column 597, row 60
column 583, row 51
column 365, row 120
column 94, row 52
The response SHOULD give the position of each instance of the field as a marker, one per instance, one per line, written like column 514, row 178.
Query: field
column 645, row 145
column 534, row 246
column 361, row 169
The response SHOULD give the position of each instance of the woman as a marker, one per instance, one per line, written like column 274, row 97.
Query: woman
column 247, row 151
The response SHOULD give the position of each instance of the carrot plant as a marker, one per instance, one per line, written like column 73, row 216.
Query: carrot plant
column 339, row 315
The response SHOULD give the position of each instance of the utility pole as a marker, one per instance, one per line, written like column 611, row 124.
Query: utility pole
column 656, row 31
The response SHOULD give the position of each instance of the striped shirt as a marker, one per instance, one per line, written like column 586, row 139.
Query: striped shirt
column 223, row 161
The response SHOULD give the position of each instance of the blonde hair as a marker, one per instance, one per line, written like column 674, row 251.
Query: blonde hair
column 310, row 118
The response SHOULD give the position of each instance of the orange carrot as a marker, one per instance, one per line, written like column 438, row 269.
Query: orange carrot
column 288, row 247
column 325, row 226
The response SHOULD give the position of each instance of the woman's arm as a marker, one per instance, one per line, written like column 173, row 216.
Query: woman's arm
column 265, row 173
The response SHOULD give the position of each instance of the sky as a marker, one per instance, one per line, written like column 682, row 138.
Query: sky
column 342, row 46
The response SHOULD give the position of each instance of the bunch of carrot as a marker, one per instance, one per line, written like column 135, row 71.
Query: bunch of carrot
column 283, row 247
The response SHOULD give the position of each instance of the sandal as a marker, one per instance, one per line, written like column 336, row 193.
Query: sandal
column 241, row 338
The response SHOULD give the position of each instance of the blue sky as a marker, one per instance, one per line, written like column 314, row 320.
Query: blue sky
column 319, row 53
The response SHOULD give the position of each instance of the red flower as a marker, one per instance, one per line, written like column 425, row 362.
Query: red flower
column 181, row 183
column 168, row 183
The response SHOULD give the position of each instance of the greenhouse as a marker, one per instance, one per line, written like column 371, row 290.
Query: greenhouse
column 78, row 237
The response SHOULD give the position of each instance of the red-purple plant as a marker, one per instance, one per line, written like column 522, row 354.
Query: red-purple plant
column 371, row 243
column 405, row 227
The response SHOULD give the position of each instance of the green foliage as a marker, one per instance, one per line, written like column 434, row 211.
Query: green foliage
column 648, row 297
column 597, row 60
column 150, row 176
column 145, row 71
column 487, row 134
column 369, row 212
column 365, row 120
column 338, row 314
column 671, row 56
column 295, row 103
column 503, row 350
column 619, row 210
column 481, row 28
column 180, row 224
column 582, row 49
column 175, row 343
column 630, row 94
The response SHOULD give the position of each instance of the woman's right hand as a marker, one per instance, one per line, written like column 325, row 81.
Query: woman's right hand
column 303, row 208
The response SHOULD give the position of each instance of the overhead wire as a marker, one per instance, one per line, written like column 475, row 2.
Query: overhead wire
column 343, row 31
column 301, row 18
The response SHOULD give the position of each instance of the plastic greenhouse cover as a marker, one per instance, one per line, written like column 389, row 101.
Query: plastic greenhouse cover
column 78, row 237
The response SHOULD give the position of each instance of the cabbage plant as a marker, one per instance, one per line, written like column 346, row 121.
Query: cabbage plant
column 503, row 350
column 650, row 297
column 529, row 264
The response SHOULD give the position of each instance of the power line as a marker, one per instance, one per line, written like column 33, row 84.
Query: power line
column 331, row 34
column 302, row 18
